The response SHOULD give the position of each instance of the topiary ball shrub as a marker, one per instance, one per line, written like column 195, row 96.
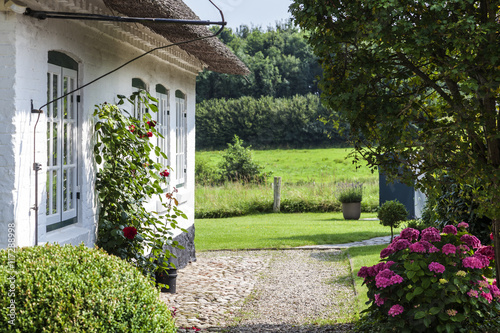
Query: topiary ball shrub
column 432, row 281
column 76, row 289
column 391, row 214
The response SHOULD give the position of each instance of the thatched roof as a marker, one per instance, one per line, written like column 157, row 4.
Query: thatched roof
column 211, row 50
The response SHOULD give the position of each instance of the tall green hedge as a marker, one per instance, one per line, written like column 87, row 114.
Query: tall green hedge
column 56, row 288
column 266, row 122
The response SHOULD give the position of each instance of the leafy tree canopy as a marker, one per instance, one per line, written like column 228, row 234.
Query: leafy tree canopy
column 281, row 62
column 418, row 81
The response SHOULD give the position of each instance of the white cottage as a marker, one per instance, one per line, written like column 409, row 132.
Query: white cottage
column 44, row 58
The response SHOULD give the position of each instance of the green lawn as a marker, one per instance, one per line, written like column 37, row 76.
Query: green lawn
column 305, row 165
column 283, row 231
column 363, row 256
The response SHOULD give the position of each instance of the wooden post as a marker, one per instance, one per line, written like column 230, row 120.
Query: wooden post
column 277, row 194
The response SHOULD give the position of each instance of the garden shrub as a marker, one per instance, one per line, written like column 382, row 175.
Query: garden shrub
column 453, row 203
column 421, row 224
column 77, row 289
column 237, row 164
column 430, row 281
column 206, row 174
column 391, row 214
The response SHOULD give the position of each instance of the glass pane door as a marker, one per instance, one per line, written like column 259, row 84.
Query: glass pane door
column 180, row 137
column 61, row 207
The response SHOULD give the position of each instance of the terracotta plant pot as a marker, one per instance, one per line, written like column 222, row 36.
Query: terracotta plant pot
column 351, row 210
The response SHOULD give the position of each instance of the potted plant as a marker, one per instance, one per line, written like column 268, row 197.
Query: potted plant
column 350, row 195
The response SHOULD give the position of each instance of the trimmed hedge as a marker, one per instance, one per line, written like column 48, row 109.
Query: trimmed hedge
column 77, row 289
column 287, row 206
column 267, row 122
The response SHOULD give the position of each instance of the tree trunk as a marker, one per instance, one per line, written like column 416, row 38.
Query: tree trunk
column 496, row 242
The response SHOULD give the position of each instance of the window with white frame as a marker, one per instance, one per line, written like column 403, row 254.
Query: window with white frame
column 62, row 153
column 163, row 123
column 180, row 137
column 139, row 109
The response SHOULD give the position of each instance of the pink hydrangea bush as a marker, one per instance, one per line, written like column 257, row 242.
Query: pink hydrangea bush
column 433, row 281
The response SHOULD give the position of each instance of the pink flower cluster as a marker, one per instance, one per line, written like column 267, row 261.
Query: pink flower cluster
column 396, row 310
column 487, row 251
column 450, row 230
column 379, row 300
column 473, row 293
column 410, row 234
column 471, row 240
column 401, row 244
column 372, row 271
column 449, row 249
column 478, row 261
column 413, row 241
column 387, row 252
column 387, row 278
column 463, row 225
column 431, row 235
column 487, row 296
column 417, row 247
column 451, row 312
column 494, row 289
column 436, row 267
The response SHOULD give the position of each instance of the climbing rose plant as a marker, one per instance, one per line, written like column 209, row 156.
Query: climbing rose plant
column 128, row 176
column 432, row 281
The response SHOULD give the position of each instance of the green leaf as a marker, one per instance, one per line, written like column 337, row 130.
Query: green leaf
column 418, row 291
column 435, row 310
column 459, row 317
column 426, row 283
column 419, row 315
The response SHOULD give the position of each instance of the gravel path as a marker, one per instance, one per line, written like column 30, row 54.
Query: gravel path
column 264, row 291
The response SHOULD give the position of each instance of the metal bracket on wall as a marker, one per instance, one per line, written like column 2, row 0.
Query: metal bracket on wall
column 37, row 166
column 33, row 110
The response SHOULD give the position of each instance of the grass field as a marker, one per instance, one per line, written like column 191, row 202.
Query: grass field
column 306, row 165
column 309, row 178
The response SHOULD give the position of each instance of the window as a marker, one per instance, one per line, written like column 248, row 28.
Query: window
column 138, row 108
column 62, row 156
column 163, row 126
column 180, row 137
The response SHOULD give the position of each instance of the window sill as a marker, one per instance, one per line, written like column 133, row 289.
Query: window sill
column 68, row 235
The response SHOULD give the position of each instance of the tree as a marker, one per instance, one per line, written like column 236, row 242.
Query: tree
column 281, row 63
column 391, row 214
column 419, row 83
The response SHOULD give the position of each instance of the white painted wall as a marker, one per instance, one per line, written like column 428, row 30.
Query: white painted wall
column 24, row 46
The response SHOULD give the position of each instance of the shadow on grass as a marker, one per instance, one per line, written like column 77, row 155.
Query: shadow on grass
column 280, row 328
column 331, row 238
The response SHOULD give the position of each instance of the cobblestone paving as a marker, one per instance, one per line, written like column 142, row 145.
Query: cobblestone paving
column 262, row 291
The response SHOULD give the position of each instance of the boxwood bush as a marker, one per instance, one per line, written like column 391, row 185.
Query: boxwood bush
column 77, row 289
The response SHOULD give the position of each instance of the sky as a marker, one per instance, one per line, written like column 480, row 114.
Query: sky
column 255, row 13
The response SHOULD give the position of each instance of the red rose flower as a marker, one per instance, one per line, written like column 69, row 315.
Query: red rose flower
column 164, row 173
column 129, row 232
column 151, row 123
column 150, row 134
column 131, row 128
